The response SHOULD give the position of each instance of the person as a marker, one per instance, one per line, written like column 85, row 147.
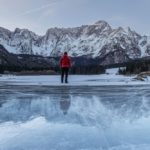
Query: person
column 65, row 64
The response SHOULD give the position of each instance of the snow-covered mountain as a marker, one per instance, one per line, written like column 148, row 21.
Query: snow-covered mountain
column 96, row 40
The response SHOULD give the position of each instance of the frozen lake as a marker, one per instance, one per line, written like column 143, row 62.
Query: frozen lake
column 74, row 117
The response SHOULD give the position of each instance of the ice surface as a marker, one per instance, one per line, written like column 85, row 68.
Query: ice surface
column 74, row 117
column 110, row 78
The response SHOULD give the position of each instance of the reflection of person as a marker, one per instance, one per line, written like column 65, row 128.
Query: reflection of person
column 65, row 101
column 65, row 64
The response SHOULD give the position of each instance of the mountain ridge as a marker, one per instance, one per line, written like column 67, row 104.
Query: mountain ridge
column 93, row 41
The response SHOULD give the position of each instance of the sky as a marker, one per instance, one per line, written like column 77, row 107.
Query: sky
column 40, row 15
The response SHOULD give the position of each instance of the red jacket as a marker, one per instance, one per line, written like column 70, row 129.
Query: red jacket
column 65, row 61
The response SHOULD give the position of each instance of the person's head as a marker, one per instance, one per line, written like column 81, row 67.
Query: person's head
column 65, row 53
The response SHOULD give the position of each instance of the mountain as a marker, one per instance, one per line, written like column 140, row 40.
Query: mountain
column 98, row 40
column 7, row 59
column 13, row 62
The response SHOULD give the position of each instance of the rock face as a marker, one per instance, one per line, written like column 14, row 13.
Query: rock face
column 98, row 40
column 7, row 59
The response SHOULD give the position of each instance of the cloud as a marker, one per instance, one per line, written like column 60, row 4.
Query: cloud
column 34, row 10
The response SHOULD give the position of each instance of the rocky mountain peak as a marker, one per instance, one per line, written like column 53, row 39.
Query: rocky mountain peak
column 101, row 22
column 103, row 25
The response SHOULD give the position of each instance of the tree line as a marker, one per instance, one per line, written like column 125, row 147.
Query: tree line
column 136, row 67
column 92, row 69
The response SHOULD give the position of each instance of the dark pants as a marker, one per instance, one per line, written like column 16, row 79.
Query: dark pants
column 64, row 72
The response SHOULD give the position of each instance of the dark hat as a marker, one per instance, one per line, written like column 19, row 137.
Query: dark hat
column 65, row 53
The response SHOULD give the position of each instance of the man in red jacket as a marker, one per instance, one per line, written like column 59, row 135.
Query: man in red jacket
column 65, row 64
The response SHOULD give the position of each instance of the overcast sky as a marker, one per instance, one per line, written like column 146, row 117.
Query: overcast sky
column 39, row 15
